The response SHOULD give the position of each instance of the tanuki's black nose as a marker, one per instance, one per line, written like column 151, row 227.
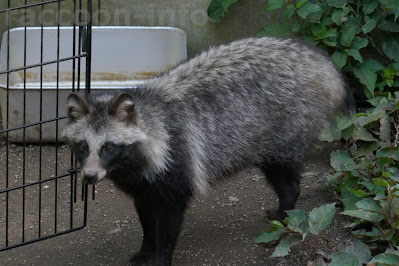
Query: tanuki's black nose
column 90, row 178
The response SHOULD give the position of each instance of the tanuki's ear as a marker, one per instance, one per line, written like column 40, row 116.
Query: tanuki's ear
column 78, row 107
column 122, row 107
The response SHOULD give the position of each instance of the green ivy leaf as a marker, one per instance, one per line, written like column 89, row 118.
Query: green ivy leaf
column 337, row 3
column 298, row 222
column 375, row 115
column 373, row 64
column 388, row 3
column 388, row 25
column 343, row 258
column 380, row 182
column 359, row 43
column 295, row 26
column 386, row 259
column 322, row 34
column 362, row 134
column 358, row 193
column 266, row 237
column 289, row 11
column 369, row 7
column 275, row 4
column 364, row 215
column 381, row 85
column 340, row 59
column 370, row 186
column 332, row 179
column 277, row 30
column 390, row 46
column 364, row 163
column 382, row 162
column 369, row 26
column 347, row 36
column 355, row 54
column 368, row 148
column 299, row 3
column 368, row 204
column 380, row 193
column 344, row 121
column 395, row 177
column 363, row 232
column 395, row 206
column 277, row 224
column 218, row 9
column 387, row 74
column 285, row 246
column 342, row 161
column 337, row 15
column 317, row 17
column 320, row 218
column 389, row 152
column 330, row 133
column 348, row 198
column 367, row 77
column 391, row 5
column 354, row 21
column 348, row 132
column 388, row 236
column 360, row 250
column 386, row 106
column 307, row 8
column 375, row 101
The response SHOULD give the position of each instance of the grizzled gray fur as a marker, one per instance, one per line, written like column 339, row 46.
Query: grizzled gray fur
column 251, row 100
column 254, row 102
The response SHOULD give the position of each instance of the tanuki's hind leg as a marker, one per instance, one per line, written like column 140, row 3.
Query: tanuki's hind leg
column 285, row 180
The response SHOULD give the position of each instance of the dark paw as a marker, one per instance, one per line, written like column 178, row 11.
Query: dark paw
column 142, row 259
column 278, row 215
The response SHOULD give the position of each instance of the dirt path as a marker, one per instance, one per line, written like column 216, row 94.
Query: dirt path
column 218, row 229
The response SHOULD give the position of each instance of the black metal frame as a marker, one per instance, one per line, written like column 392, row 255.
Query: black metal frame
column 21, row 191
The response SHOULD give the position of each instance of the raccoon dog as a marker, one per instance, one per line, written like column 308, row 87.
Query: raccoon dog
column 254, row 102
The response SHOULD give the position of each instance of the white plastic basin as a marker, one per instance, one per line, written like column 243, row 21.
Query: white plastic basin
column 122, row 57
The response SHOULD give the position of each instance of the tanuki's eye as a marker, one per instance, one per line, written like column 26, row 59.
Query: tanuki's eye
column 108, row 147
column 83, row 146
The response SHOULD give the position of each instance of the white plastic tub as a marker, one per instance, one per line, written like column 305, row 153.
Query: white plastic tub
column 122, row 57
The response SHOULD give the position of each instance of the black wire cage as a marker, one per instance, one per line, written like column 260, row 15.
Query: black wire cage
column 41, row 195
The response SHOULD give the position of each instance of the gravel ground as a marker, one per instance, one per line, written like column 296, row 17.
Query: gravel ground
column 218, row 229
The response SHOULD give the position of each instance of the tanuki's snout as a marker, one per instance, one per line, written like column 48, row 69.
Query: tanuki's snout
column 90, row 178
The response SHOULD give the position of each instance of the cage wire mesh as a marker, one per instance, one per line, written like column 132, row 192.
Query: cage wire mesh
column 41, row 195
